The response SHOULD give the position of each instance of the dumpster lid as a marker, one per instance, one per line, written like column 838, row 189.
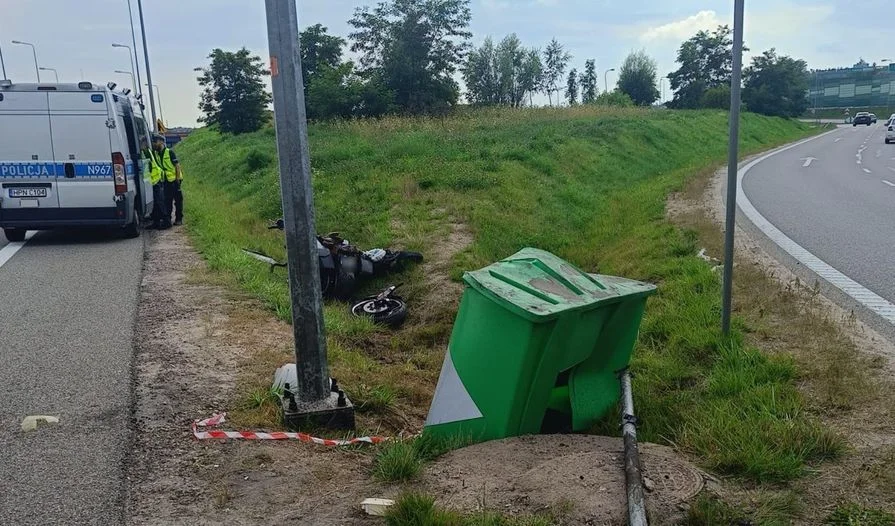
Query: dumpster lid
column 540, row 285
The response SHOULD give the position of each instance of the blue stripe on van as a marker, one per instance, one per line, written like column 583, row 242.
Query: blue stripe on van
column 29, row 170
column 90, row 170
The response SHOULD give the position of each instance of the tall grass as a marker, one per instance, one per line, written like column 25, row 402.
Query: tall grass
column 588, row 184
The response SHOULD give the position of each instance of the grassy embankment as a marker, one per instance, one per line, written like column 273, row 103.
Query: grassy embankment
column 588, row 184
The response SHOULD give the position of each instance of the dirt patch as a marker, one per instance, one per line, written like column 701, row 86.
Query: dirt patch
column 441, row 288
column 579, row 478
column 192, row 340
column 847, row 367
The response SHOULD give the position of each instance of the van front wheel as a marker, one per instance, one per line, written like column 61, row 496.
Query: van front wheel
column 14, row 234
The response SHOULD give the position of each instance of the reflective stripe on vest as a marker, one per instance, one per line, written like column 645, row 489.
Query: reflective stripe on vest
column 155, row 169
column 167, row 166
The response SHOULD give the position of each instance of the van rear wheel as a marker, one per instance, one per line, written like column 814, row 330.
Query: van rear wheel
column 14, row 234
column 132, row 229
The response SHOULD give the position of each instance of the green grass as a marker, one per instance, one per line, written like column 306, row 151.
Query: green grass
column 588, row 184
column 414, row 509
column 856, row 515
column 402, row 460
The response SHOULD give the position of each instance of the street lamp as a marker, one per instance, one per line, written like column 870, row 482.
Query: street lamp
column 891, row 84
column 122, row 72
column 161, row 112
column 2, row 64
column 34, row 52
column 606, row 79
column 53, row 70
column 130, row 52
column 661, row 90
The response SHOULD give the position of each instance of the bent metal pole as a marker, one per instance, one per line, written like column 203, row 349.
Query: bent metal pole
column 633, row 476
column 732, row 158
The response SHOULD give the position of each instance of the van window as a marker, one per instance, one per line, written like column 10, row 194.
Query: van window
column 132, row 144
column 142, row 131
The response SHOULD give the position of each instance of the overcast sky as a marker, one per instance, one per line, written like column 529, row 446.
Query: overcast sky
column 75, row 36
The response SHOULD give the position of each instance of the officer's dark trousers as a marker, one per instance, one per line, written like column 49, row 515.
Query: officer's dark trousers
column 160, row 215
column 174, row 200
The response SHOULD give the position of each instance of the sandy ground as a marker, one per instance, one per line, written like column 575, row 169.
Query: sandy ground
column 193, row 339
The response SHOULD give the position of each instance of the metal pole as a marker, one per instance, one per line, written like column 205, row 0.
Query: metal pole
column 161, row 112
column 2, row 64
column 298, row 203
column 148, row 71
column 606, row 79
column 56, row 73
column 732, row 158
column 130, row 13
column 633, row 475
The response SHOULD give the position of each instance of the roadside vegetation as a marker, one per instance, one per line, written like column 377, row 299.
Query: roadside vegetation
column 586, row 183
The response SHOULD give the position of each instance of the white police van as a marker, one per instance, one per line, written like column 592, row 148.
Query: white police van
column 70, row 156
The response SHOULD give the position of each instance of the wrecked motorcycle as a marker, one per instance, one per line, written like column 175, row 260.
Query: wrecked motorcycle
column 343, row 267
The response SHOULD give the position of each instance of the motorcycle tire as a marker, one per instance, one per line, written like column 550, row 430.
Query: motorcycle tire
column 391, row 312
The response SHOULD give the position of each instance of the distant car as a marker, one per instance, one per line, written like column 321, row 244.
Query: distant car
column 873, row 118
column 890, row 130
column 862, row 118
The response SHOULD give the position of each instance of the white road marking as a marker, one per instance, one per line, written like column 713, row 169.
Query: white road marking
column 867, row 171
column 879, row 153
column 872, row 301
column 7, row 252
column 838, row 139
column 890, row 168
column 888, row 183
column 808, row 161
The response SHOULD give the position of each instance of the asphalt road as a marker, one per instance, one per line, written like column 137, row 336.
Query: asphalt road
column 835, row 196
column 67, row 308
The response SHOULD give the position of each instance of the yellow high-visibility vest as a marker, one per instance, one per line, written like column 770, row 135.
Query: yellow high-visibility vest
column 155, row 169
column 167, row 166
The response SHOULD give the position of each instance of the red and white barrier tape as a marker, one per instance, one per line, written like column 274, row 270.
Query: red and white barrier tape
column 219, row 419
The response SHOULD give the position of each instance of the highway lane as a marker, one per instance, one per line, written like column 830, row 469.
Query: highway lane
column 835, row 196
column 68, row 302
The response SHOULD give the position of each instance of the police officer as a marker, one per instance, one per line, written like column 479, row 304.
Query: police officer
column 172, row 176
column 161, row 218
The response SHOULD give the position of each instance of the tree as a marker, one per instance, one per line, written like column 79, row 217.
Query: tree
column 340, row 93
column 615, row 97
column 502, row 74
column 532, row 74
column 572, row 87
column 555, row 61
column 589, row 82
column 481, row 76
column 319, row 51
column 233, row 95
column 716, row 98
column 510, row 58
column 637, row 77
column 706, row 62
column 776, row 85
column 414, row 46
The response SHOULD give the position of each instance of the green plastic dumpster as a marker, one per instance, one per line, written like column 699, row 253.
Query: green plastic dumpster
column 534, row 333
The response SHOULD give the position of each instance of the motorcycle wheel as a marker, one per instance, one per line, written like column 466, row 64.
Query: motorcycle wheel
column 391, row 311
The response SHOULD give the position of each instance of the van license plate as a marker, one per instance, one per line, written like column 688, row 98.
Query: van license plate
column 27, row 192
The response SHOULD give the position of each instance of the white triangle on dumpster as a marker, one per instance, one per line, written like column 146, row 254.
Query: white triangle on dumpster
column 452, row 402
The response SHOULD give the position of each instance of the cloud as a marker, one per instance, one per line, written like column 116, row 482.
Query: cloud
column 682, row 29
